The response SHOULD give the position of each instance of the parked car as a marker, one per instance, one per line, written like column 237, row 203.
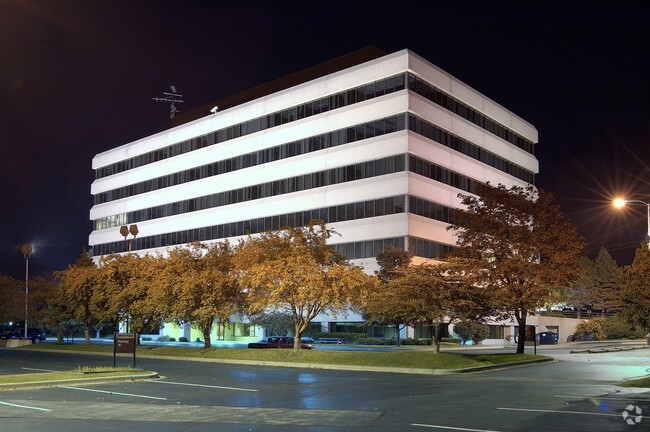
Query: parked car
column 279, row 342
column 36, row 335
column 11, row 335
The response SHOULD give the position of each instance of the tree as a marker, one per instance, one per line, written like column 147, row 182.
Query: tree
column 201, row 281
column 392, row 261
column 435, row 296
column 471, row 330
column 127, row 293
column 580, row 293
column 636, row 289
column 605, row 278
column 77, row 285
column 12, row 299
column 274, row 322
column 293, row 270
column 521, row 245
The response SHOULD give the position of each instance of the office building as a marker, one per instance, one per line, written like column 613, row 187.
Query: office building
column 376, row 145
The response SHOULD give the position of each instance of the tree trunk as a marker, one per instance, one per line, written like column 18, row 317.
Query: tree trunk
column 300, row 328
column 206, row 329
column 87, row 333
column 397, row 334
column 521, row 341
column 438, row 336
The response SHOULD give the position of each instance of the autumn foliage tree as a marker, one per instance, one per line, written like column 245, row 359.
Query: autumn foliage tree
column 200, row 286
column 521, row 246
column 12, row 299
column 76, row 289
column 126, row 291
column 378, row 305
column 433, row 296
column 294, row 270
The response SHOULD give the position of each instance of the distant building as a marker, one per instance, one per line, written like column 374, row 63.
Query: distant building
column 378, row 146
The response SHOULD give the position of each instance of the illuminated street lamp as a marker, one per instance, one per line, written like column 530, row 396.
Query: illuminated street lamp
column 125, row 231
column 621, row 202
column 26, row 250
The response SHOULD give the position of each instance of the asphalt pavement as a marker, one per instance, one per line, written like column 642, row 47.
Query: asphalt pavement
column 551, row 351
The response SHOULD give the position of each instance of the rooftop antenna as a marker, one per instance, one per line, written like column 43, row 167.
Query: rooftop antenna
column 172, row 98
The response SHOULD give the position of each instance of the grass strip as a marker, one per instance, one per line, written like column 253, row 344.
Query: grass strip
column 419, row 359
column 641, row 382
column 106, row 372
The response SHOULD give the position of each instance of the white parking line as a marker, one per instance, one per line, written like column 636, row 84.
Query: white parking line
column 40, row 370
column 451, row 428
column 202, row 385
column 603, row 398
column 113, row 393
column 561, row 412
column 24, row 406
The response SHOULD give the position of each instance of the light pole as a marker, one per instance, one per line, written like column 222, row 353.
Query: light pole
column 125, row 231
column 27, row 250
column 621, row 202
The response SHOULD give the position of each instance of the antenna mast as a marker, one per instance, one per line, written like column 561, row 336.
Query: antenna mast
column 172, row 98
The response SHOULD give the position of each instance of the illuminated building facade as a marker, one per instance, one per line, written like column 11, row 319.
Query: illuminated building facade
column 378, row 146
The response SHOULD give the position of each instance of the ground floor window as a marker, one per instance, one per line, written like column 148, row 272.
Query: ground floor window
column 496, row 332
column 347, row 327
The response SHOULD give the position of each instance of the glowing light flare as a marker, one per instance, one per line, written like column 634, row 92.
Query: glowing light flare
column 619, row 202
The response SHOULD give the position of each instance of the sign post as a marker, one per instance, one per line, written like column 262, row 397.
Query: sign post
column 124, row 343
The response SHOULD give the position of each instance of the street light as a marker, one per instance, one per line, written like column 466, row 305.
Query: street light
column 27, row 250
column 133, row 230
column 125, row 231
column 621, row 202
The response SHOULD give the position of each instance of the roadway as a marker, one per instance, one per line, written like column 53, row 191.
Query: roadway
column 578, row 392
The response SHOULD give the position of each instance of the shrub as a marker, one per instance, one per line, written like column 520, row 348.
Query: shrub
column 374, row 341
column 146, row 338
column 618, row 328
column 591, row 329
column 163, row 339
column 182, row 339
column 412, row 341
column 346, row 337
column 471, row 330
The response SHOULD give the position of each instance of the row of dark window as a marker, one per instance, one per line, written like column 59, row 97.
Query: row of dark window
column 363, row 249
column 437, row 96
column 435, row 133
column 348, row 97
column 295, row 148
column 378, row 167
column 294, row 184
column 319, row 142
column 440, row 174
column 333, row 214
column 339, row 100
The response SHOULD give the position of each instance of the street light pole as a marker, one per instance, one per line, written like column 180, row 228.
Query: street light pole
column 27, row 251
column 125, row 231
column 621, row 202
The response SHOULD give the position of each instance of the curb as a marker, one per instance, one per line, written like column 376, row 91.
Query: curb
column 56, row 383
column 606, row 350
column 414, row 371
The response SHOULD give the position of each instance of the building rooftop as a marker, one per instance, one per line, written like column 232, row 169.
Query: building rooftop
column 331, row 66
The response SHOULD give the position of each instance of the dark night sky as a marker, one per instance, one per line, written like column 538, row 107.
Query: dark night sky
column 78, row 77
